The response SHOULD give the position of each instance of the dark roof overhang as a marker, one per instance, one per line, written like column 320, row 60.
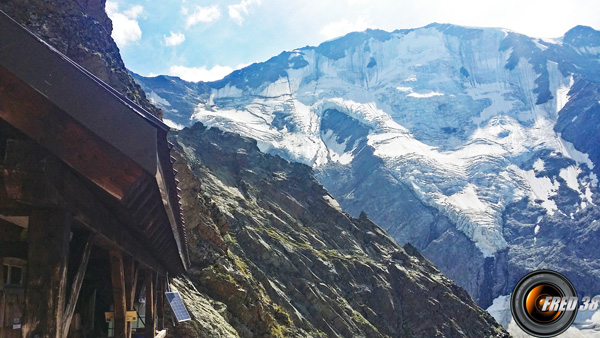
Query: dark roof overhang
column 120, row 148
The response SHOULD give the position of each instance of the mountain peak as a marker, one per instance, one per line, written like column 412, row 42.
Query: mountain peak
column 336, row 49
column 451, row 137
column 580, row 36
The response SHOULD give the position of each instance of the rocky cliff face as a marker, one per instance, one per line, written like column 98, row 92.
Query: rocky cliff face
column 273, row 254
column 274, row 250
column 477, row 145
column 81, row 30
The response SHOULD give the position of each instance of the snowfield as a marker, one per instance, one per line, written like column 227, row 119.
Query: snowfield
column 476, row 145
column 398, row 100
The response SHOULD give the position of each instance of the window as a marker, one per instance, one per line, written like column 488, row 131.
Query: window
column 16, row 275
column 13, row 271
column 13, row 275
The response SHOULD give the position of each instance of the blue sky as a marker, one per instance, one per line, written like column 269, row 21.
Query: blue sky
column 205, row 40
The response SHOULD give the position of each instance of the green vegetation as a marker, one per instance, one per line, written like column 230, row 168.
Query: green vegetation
column 241, row 265
column 283, row 312
column 357, row 317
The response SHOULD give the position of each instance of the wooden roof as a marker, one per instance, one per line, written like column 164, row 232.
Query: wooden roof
column 120, row 149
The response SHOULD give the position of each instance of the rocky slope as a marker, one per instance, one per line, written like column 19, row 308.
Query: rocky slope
column 274, row 250
column 273, row 254
column 81, row 30
column 475, row 145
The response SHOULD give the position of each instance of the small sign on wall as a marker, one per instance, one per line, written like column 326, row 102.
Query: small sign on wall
column 130, row 316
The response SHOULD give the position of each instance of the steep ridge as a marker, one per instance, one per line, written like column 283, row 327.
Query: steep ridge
column 475, row 145
column 293, row 264
column 284, row 259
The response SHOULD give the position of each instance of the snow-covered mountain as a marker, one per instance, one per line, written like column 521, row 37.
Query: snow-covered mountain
column 481, row 147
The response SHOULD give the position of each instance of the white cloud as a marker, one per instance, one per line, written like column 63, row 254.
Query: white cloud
column 126, row 28
column 174, row 39
column 238, row 11
column 173, row 125
column 196, row 74
column 203, row 14
column 111, row 7
column 243, row 65
column 342, row 27
column 134, row 11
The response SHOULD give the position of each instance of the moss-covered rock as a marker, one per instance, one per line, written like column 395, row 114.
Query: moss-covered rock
column 294, row 263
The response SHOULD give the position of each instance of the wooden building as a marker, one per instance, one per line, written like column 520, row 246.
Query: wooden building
column 90, row 219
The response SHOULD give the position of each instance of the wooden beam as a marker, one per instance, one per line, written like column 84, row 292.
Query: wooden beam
column 90, row 313
column 48, row 240
column 80, row 94
column 2, row 300
column 2, row 297
column 118, row 284
column 122, row 241
column 77, row 282
column 150, row 327
column 160, row 303
column 131, row 277
column 38, row 179
column 65, row 137
column 1, row 272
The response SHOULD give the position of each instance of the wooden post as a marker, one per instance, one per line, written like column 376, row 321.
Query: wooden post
column 131, row 276
column 160, row 303
column 77, row 282
column 48, row 240
column 118, row 284
column 150, row 327
column 1, row 298
column 90, row 313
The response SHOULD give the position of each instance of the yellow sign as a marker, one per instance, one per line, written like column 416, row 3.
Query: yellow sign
column 130, row 316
